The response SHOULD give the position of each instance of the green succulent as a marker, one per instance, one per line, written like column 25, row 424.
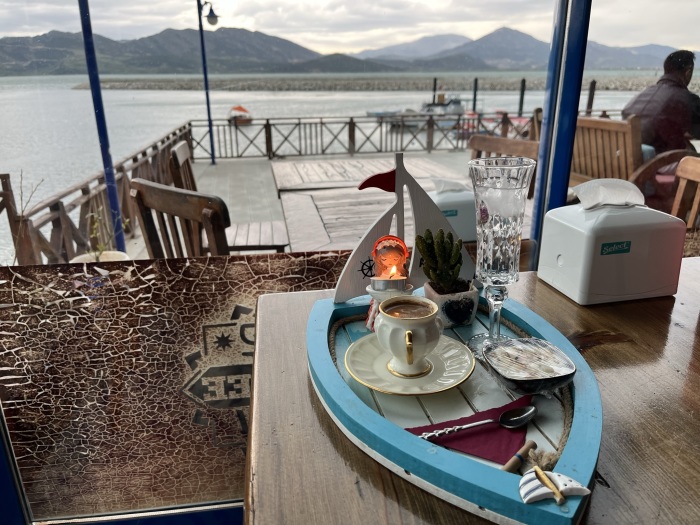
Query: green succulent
column 442, row 261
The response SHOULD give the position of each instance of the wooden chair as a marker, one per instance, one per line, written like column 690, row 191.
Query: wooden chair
column 266, row 235
column 491, row 146
column 181, row 167
column 688, row 192
column 536, row 127
column 172, row 220
column 528, row 249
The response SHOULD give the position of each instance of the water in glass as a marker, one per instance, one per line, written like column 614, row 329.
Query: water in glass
column 500, row 190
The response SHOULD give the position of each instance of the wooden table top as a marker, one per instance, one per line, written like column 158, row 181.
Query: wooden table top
column 646, row 357
column 124, row 386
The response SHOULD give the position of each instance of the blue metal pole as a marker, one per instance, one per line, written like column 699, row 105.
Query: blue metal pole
column 572, row 76
column 554, row 66
column 206, row 80
column 14, row 511
column 94, row 76
column 562, row 94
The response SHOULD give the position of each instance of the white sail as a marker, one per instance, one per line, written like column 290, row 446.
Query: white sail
column 426, row 215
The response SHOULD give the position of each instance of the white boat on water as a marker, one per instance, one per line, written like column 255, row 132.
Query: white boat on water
column 445, row 109
column 445, row 105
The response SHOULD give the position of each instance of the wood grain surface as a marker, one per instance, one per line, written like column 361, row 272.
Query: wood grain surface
column 645, row 354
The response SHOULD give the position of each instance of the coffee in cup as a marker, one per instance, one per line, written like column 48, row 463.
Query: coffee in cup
column 408, row 310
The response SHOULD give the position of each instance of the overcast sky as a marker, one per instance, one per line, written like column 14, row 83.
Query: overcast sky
column 329, row 26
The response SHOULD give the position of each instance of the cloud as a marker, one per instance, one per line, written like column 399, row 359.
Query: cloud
column 349, row 26
column 628, row 23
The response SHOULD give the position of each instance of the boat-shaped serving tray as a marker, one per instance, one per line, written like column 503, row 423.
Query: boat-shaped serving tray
column 375, row 421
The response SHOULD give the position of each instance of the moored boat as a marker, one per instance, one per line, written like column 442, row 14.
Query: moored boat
column 446, row 110
column 445, row 105
column 240, row 116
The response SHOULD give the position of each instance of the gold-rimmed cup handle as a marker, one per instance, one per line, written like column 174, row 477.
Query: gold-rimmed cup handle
column 409, row 347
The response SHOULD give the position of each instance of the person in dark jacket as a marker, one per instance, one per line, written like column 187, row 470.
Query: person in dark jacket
column 669, row 112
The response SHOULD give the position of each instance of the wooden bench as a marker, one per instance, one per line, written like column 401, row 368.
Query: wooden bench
column 606, row 148
column 267, row 235
column 686, row 204
column 603, row 148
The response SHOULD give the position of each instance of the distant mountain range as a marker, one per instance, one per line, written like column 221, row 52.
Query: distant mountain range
column 231, row 50
column 421, row 48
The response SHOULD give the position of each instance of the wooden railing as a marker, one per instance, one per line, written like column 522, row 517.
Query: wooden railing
column 287, row 137
column 78, row 219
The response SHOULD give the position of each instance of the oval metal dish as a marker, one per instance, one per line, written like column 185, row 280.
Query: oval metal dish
column 530, row 365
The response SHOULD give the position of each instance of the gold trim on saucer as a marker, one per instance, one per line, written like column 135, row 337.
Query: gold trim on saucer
column 427, row 370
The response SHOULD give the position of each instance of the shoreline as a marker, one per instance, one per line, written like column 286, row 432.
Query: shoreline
column 367, row 83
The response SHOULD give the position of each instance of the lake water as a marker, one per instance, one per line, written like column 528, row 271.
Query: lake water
column 48, row 137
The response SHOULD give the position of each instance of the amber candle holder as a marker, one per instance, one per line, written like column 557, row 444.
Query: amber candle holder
column 389, row 255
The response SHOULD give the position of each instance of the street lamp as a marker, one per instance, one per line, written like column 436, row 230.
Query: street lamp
column 212, row 19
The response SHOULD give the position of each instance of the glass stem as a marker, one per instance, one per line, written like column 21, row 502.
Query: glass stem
column 495, row 295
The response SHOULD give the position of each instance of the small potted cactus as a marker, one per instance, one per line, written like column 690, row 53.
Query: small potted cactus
column 442, row 259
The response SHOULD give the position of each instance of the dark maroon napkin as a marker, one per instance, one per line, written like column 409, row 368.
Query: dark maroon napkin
column 490, row 441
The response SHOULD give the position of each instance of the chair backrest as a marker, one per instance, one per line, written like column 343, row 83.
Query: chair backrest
column 528, row 248
column 172, row 220
column 492, row 146
column 536, row 128
column 181, row 167
column 688, row 192
column 7, row 202
column 606, row 148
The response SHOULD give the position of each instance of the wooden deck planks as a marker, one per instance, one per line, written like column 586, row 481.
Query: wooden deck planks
column 266, row 235
column 304, row 224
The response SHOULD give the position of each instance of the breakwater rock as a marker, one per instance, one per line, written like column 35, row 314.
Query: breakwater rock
column 536, row 81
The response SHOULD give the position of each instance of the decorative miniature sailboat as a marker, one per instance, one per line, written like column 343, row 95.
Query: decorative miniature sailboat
column 356, row 275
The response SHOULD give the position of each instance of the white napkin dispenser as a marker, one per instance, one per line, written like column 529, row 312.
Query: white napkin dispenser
column 611, row 253
column 456, row 203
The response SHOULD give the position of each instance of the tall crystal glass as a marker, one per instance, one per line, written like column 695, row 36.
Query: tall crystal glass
column 500, row 192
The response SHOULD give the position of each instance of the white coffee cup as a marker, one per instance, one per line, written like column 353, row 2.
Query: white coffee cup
column 409, row 328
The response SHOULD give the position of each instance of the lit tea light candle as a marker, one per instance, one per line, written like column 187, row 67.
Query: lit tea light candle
column 394, row 281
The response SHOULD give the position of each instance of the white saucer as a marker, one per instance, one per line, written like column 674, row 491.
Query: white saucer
column 452, row 362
